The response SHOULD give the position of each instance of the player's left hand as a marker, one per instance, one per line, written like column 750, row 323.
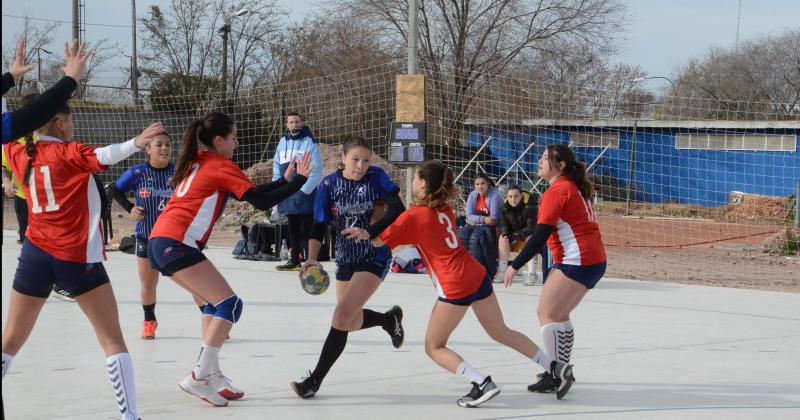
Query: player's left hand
column 356, row 233
column 509, row 276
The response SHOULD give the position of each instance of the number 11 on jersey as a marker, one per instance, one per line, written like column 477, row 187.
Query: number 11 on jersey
column 52, row 205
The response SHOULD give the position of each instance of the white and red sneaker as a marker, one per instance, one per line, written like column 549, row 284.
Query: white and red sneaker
column 224, row 386
column 200, row 388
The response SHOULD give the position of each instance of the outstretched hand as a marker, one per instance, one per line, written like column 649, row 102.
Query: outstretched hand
column 76, row 59
column 304, row 166
column 18, row 67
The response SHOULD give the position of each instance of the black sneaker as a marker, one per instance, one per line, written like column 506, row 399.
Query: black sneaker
column 289, row 266
column 479, row 393
column 546, row 373
column 547, row 384
column 395, row 328
column 306, row 388
column 562, row 372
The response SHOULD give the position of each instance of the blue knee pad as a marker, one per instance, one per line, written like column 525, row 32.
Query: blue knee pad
column 209, row 310
column 229, row 309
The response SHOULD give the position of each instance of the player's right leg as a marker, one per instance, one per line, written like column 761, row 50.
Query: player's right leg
column 445, row 317
column 22, row 314
column 33, row 281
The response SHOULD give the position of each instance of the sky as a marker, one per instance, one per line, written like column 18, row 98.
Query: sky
column 661, row 36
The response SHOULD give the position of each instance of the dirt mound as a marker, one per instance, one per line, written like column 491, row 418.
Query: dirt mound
column 760, row 208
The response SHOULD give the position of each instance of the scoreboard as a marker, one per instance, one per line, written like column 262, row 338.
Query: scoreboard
column 407, row 143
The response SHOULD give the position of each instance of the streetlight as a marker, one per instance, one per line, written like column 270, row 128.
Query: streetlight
column 225, row 33
column 641, row 79
column 39, row 63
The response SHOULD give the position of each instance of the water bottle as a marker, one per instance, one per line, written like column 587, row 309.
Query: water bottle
column 284, row 251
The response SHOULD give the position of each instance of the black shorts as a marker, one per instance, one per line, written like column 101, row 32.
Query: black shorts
column 345, row 271
column 587, row 275
column 141, row 246
column 38, row 271
column 170, row 256
column 484, row 290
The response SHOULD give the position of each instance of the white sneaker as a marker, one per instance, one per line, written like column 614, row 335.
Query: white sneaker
column 498, row 278
column 201, row 389
column 224, row 386
column 531, row 279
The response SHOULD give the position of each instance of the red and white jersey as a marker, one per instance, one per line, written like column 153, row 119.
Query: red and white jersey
column 454, row 272
column 199, row 199
column 63, row 199
column 576, row 239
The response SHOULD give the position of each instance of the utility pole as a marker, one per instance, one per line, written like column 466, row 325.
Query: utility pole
column 413, row 34
column 738, row 21
column 134, row 66
column 76, row 23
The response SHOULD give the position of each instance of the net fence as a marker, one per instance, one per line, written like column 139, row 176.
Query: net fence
column 669, row 171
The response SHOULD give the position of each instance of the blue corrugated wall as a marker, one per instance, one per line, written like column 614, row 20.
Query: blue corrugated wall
column 661, row 173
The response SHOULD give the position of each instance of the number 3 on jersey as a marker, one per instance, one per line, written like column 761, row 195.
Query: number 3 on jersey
column 452, row 240
column 52, row 205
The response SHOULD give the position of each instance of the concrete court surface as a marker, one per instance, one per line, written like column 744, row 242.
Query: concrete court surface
column 643, row 350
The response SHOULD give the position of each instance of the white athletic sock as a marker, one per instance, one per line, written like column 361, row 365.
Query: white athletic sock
column 206, row 361
column 566, row 339
column 7, row 358
column 501, row 269
column 543, row 359
column 120, row 372
column 550, row 338
column 465, row 369
column 532, row 266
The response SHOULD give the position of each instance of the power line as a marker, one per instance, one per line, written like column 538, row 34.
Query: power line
column 66, row 21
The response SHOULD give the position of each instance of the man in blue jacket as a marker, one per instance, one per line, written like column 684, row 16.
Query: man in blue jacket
column 299, row 208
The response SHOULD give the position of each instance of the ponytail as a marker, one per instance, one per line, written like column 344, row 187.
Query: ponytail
column 200, row 132
column 574, row 170
column 440, row 187
column 187, row 152
column 30, row 150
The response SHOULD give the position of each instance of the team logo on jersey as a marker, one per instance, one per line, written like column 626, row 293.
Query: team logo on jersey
column 144, row 192
column 361, row 190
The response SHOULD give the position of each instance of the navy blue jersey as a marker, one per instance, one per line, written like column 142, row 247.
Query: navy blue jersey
column 151, row 190
column 349, row 203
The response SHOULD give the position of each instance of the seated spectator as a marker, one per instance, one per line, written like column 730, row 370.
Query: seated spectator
column 518, row 216
column 479, row 235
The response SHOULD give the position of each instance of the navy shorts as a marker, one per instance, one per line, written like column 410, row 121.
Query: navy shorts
column 170, row 256
column 587, row 275
column 484, row 290
column 141, row 246
column 39, row 271
column 345, row 271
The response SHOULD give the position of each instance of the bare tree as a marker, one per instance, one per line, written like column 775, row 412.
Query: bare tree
column 181, row 40
column 104, row 51
column 467, row 42
column 254, row 38
column 185, row 39
column 759, row 80
column 36, row 36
